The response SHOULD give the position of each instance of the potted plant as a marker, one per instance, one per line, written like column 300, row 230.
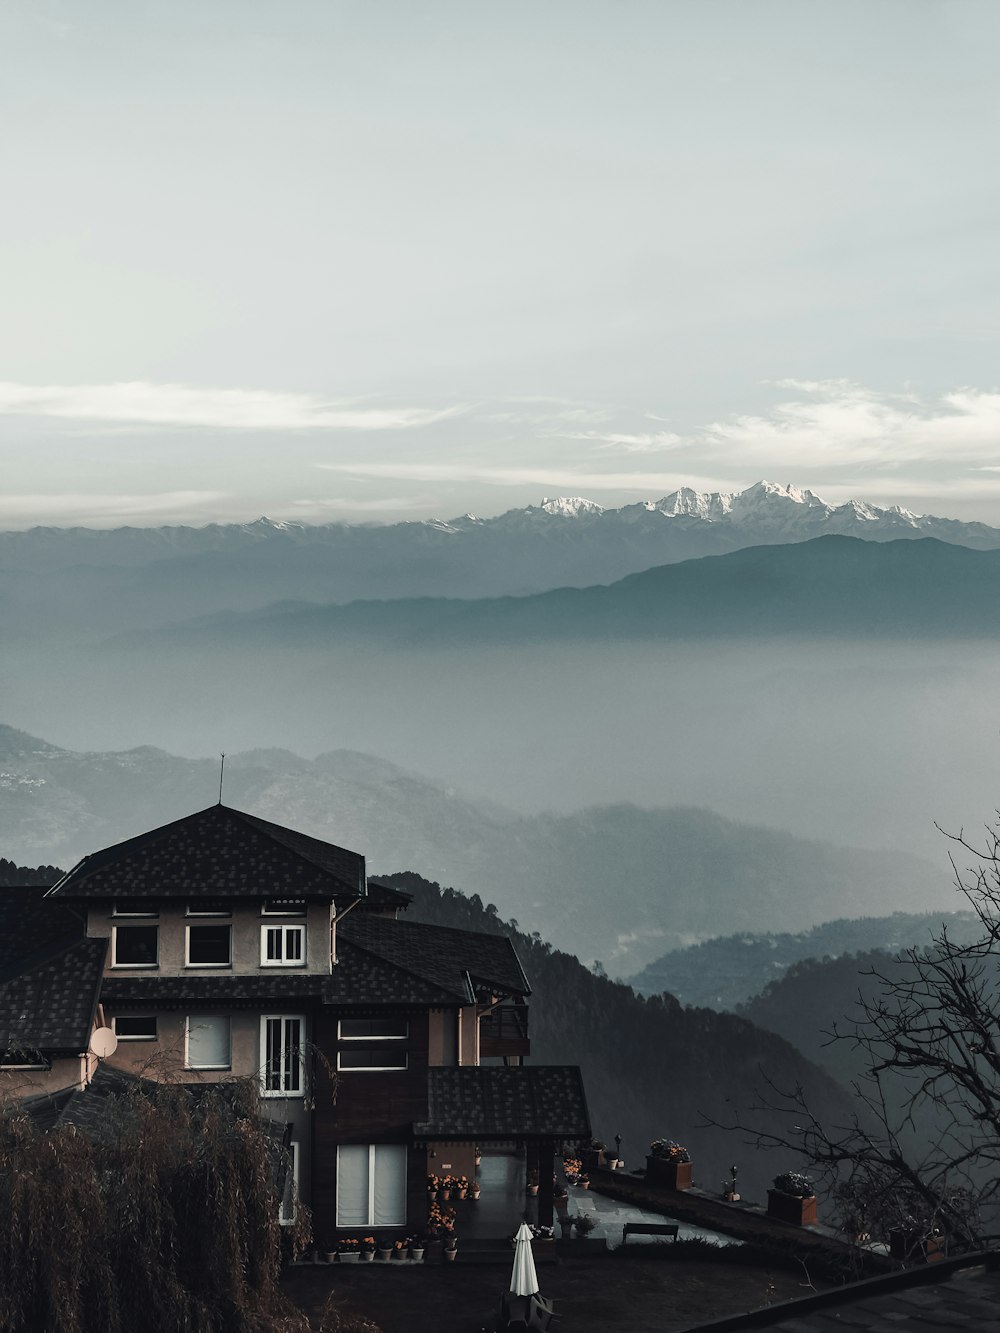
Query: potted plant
column 433, row 1185
column 474, row 1190
column 400, row 1250
column 584, row 1224
column 462, row 1186
column 451, row 1247
column 349, row 1251
column 915, row 1243
column 384, row 1248
column 417, row 1249
column 668, row 1165
column 572, row 1166
column 445, row 1188
column 792, row 1199
column 532, row 1182
column 367, row 1249
column 584, row 1181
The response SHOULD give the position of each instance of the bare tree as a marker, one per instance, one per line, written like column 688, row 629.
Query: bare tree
column 922, row 1150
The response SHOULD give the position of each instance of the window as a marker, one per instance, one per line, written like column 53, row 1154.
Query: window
column 373, row 1029
column 281, row 1064
column 371, row 1185
column 209, row 946
column 134, row 907
column 134, row 1027
column 282, row 946
column 135, row 946
column 209, row 1041
column 210, row 907
column 283, row 907
column 391, row 1058
column 290, row 1194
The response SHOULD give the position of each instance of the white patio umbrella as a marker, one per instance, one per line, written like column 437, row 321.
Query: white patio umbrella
column 523, row 1281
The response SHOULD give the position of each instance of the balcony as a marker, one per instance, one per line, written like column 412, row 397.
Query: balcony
column 504, row 1031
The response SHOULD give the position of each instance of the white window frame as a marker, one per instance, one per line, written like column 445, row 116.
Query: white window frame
column 187, row 1041
column 124, row 1036
column 283, row 1090
column 372, row 1149
column 152, row 911
column 295, row 907
column 289, row 1206
column 192, row 909
column 114, row 947
column 396, row 1036
column 285, row 930
column 187, row 949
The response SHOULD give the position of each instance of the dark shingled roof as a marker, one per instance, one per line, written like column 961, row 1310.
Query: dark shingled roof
column 955, row 1296
column 501, row 1102
column 31, row 926
column 384, row 895
column 50, row 1005
column 441, row 955
column 218, row 853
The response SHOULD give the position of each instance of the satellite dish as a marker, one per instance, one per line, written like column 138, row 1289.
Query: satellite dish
column 103, row 1043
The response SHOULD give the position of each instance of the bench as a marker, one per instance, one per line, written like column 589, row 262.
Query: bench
column 649, row 1229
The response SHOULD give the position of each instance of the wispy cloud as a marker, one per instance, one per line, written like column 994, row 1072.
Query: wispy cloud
column 564, row 479
column 99, row 510
column 181, row 405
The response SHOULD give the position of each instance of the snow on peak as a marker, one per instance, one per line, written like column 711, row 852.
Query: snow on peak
column 570, row 506
column 694, row 504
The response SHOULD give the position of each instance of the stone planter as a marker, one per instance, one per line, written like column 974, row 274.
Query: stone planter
column 349, row 1257
column 800, row 1212
column 668, row 1174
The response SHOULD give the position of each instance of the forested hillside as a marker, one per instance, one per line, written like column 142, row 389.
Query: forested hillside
column 653, row 1069
column 725, row 972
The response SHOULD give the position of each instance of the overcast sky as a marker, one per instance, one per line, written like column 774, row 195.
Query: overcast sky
column 393, row 258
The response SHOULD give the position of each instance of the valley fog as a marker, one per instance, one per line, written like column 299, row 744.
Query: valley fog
column 867, row 743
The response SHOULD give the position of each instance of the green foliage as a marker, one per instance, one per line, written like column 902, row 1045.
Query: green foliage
column 161, row 1217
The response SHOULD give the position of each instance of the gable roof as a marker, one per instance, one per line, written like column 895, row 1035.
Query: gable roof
column 218, row 853
column 31, row 926
column 458, row 961
column 49, row 1005
column 504, row 1102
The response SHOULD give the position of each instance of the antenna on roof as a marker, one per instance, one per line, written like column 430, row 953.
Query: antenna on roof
column 222, row 774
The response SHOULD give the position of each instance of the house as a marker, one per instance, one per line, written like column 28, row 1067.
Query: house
column 222, row 945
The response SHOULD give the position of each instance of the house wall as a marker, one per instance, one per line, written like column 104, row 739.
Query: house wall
column 246, row 922
column 442, row 1037
column 368, row 1107
column 68, row 1072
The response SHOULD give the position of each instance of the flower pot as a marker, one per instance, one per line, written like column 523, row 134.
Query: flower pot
column 417, row 1254
column 799, row 1212
column 399, row 1255
column 462, row 1193
column 349, row 1257
column 451, row 1255
column 446, row 1195
column 584, row 1185
column 385, row 1255
column 474, row 1194
column 367, row 1256
column 331, row 1256
column 432, row 1195
column 532, row 1190
column 915, row 1248
column 668, row 1173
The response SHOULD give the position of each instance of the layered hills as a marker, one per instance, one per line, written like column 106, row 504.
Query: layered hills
column 88, row 580
column 616, row 883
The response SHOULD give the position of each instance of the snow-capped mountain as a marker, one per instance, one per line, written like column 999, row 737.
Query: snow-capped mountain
column 100, row 581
